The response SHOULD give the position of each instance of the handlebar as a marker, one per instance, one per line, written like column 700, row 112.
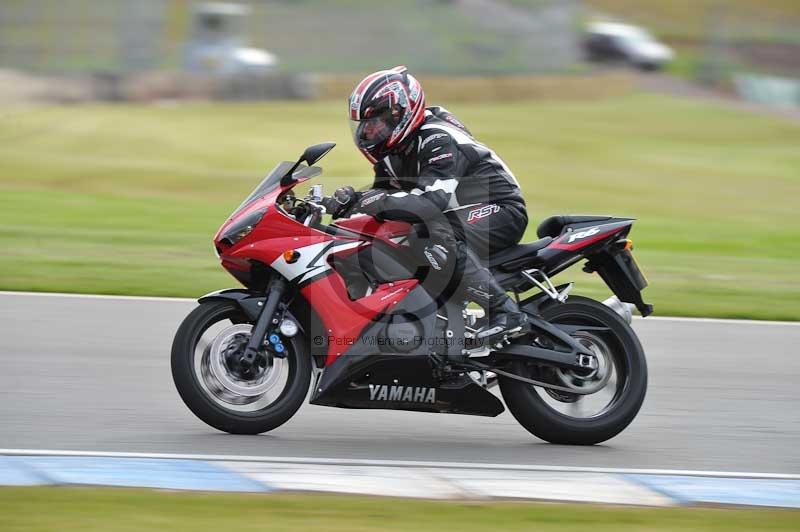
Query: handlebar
column 309, row 209
column 314, row 205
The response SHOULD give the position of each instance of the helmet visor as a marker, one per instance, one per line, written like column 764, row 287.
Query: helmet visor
column 371, row 134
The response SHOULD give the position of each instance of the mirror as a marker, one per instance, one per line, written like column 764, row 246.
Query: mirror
column 316, row 152
column 310, row 156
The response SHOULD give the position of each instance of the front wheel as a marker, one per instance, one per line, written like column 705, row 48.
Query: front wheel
column 620, row 380
column 226, row 395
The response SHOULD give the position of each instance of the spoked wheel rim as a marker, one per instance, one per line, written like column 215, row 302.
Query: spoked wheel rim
column 227, row 383
column 610, row 378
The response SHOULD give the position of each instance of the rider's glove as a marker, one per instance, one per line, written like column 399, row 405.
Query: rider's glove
column 371, row 202
column 343, row 199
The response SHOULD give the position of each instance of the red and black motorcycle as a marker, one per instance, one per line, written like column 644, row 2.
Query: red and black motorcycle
column 339, row 305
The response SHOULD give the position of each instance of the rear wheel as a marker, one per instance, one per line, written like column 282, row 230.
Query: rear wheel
column 229, row 396
column 620, row 382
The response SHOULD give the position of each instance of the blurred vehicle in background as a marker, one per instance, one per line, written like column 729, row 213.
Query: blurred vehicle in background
column 615, row 42
column 218, row 43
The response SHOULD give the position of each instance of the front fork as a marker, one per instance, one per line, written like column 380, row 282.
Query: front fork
column 275, row 291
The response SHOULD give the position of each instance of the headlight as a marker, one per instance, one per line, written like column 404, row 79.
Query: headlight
column 243, row 227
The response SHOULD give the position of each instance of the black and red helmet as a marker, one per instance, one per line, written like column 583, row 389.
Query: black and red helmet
column 386, row 107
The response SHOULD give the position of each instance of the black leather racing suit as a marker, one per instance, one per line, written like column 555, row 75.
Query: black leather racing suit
column 461, row 197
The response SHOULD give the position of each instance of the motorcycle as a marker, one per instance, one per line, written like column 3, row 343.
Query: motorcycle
column 337, row 305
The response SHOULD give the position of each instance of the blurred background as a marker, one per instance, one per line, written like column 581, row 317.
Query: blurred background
column 743, row 47
column 129, row 130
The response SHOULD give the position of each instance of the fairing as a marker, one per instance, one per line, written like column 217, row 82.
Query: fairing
column 311, row 273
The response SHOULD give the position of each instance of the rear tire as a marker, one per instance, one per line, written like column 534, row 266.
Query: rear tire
column 202, row 402
column 543, row 421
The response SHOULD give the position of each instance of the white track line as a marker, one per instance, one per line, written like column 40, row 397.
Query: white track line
column 99, row 296
column 402, row 463
column 188, row 300
column 727, row 321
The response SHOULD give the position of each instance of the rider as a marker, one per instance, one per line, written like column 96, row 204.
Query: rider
column 430, row 171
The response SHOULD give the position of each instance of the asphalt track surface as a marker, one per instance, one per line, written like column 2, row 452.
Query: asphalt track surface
column 92, row 374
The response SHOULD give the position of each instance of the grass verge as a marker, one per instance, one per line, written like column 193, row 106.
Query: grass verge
column 117, row 510
column 125, row 199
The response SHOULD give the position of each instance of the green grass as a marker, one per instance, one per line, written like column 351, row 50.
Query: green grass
column 125, row 199
column 86, row 509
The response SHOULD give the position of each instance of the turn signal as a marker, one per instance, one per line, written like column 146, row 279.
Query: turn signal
column 628, row 245
column 291, row 256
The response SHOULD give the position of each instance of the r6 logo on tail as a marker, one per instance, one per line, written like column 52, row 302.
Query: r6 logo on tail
column 583, row 234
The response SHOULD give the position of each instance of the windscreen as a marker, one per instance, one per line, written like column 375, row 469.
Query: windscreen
column 273, row 180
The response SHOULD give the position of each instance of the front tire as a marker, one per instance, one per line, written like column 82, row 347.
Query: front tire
column 215, row 400
column 534, row 409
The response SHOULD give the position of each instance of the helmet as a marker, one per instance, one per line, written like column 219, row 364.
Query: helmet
column 386, row 107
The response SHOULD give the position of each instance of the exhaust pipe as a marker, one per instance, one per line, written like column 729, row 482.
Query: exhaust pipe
column 625, row 310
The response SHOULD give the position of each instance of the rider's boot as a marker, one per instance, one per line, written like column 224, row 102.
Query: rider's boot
column 505, row 319
column 504, row 316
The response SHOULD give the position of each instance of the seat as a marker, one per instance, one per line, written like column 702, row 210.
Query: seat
column 554, row 225
column 516, row 252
